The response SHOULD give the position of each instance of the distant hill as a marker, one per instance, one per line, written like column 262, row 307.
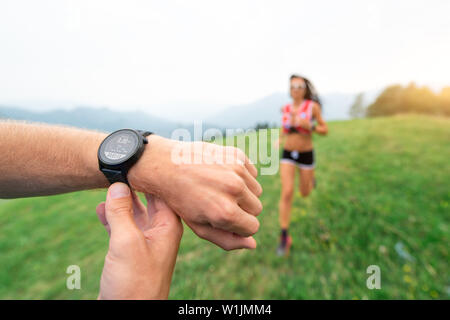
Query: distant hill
column 102, row 119
column 265, row 110
column 335, row 107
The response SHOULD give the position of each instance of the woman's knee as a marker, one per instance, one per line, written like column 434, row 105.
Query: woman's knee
column 287, row 194
column 305, row 191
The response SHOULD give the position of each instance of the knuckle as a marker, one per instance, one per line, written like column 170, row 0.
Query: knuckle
column 120, row 207
column 235, row 153
column 220, row 220
column 259, row 208
column 259, row 189
column 229, row 211
column 235, row 185
column 255, row 228
column 241, row 155
column 239, row 169
column 230, row 149
column 225, row 215
column 253, row 171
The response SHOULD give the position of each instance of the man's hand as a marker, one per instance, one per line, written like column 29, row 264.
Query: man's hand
column 142, row 248
column 218, row 201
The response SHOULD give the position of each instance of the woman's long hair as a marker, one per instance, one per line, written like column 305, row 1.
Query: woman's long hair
column 311, row 92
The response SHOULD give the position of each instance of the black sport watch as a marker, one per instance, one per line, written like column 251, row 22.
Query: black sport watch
column 119, row 152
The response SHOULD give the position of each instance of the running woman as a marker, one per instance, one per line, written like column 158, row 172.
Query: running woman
column 298, row 153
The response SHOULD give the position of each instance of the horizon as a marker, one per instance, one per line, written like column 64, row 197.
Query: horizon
column 49, row 106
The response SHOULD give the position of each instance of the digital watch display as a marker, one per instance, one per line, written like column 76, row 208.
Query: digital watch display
column 119, row 152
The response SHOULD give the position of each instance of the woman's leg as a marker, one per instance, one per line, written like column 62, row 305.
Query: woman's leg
column 306, row 181
column 287, row 173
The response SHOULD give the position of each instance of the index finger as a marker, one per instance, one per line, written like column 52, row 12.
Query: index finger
column 237, row 221
column 239, row 157
column 251, row 167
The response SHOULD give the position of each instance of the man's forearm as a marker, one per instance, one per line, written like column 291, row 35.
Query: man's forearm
column 41, row 160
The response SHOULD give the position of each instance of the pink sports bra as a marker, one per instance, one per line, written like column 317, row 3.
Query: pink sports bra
column 304, row 111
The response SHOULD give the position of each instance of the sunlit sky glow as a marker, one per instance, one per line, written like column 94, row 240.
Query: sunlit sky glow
column 131, row 54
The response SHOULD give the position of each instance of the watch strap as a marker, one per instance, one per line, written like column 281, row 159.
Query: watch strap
column 115, row 175
column 144, row 133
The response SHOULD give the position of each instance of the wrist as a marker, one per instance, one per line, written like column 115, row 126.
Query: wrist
column 148, row 173
column 94, row 176
column 152, row 284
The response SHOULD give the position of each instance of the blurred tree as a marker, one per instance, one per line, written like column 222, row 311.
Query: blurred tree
column 445, row 100
column 357, row 110
column 262, row 125
column 397, row 99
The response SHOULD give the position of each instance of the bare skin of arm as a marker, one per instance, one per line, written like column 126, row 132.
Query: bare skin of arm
column 282, row 137
column 321, row 127
column 219, row 202
column 43, row 160
column 281, row 140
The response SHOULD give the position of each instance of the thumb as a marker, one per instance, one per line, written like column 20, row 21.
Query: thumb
column 161, row 215
column 119, row 208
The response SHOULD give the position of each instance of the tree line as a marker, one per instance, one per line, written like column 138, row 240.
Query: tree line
column 397, row 99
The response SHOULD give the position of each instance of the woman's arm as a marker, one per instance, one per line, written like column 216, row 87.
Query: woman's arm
column 321, row 127
column 281, row 139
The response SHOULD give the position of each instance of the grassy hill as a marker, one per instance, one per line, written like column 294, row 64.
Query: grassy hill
column 383, row 190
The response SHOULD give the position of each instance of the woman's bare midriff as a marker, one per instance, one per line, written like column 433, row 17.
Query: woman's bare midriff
column 298, row 142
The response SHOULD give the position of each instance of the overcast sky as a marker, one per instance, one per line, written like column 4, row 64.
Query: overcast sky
column 147, row 53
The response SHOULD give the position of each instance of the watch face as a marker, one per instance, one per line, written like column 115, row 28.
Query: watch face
column 119, row 147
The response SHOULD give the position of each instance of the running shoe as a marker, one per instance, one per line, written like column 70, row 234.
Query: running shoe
column 284, row 247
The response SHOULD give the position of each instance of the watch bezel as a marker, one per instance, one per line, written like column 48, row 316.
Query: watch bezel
column 129, row 160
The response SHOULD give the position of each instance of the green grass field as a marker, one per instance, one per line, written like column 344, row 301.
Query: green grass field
column 381, row 182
